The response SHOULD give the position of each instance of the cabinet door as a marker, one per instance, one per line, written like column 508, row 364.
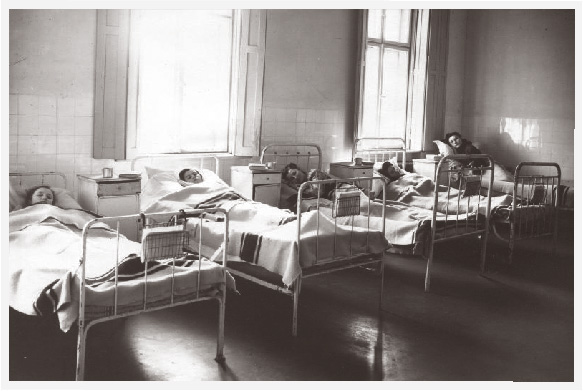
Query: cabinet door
column 121, row 206
column 268, row 194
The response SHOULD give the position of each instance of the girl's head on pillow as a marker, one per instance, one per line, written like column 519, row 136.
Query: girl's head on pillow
column 40, row 195
column 190, row 175
column 390, row 170
column 293, row 174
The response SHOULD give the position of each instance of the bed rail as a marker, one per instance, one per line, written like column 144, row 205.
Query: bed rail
column 535, row 205
column 176, row 161
column 381, row 149
column 463, row 210
column 306, row 156
column 172, row 271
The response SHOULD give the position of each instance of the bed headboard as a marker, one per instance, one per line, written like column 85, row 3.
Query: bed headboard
column 381, row 149
column 29, row 179
column 175, row 162
column 306, row 156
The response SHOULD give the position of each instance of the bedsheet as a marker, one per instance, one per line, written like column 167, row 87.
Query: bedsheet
column 265, row 235
column 409, row 211
column 44, row 258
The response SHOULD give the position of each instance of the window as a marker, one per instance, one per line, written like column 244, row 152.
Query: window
column 178, row 81
column 392, row 76
column 183, row 71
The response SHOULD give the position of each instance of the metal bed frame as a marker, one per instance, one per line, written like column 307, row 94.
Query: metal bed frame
column 532, row 192
column 466, row 228
column 325, row 265
column 156, row 246
column 382, row 149
column 300, row 154
column 306, row 156
column 159, row 246
column 207, row 161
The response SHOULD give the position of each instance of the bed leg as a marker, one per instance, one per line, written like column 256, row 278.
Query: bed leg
column 297, row 285
column 428, row 269
column 81, row 341
column 220, row 358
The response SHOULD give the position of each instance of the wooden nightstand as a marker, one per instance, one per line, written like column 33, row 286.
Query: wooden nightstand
column 350, row 170
column 111, row 197
column 427, row 168
column 259, row 185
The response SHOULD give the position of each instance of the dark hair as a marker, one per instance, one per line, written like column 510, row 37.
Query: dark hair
column 30, row 192
column 185, row 170
column 448, row 135
column 289, row 166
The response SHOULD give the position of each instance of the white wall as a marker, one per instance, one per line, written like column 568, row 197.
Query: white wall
column 310, row 72
column 519, row 81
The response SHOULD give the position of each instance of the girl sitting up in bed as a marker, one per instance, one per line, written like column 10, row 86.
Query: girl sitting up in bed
column 40, row 195
column 461, row 146
column 189, row 176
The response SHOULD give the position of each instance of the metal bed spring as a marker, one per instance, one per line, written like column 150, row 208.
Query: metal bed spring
column 306, row 156
column 336, row 262
column 381, row 149
column 157, row 244
column 471, row 193
column 535, row 206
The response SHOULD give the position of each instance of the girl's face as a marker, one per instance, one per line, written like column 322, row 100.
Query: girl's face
column 296, row 176
column 192, row 176
column 42, row 195
column 455, row 141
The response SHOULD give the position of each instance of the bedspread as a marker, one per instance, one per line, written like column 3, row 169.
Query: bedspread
column 264, row 235
column 44, row 258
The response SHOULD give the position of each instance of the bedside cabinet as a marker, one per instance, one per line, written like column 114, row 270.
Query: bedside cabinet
column 350, row 170
column 427, row 168
column 111, row 197
column 259, row 185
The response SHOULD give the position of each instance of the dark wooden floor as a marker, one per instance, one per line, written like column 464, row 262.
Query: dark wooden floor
column 516, row 323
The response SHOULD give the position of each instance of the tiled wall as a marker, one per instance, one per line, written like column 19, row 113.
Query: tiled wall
column 514, row 140
column 327, row 128
column 53, row 133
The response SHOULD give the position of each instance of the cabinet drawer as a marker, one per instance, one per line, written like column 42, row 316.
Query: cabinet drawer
column 266, row 178
column 118, row 188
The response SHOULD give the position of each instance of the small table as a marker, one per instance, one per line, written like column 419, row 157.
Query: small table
column 350, row 170
column 111, row 197
column 259, row 185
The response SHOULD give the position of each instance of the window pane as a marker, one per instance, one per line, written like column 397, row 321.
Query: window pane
column 374, row 23
column 371, row 92
column 184, row 78
column 397, row 24
column 393, row 108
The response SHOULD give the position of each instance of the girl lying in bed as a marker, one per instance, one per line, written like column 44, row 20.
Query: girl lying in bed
column 40, row 195
column 189, row 176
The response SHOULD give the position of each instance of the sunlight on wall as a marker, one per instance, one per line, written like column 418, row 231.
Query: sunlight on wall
column 523, row 131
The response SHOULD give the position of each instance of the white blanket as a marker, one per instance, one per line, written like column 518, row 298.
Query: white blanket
column 262, row 234
column 44, row 257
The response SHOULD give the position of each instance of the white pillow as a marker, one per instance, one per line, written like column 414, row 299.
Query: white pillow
column 444, row 148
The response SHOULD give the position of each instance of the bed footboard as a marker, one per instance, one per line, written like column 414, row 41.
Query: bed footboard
column 534, row 211
column 462, row 208
column 164, row 270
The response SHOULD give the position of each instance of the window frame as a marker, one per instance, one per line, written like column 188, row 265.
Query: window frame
column 115, row 125
column 412, row 47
